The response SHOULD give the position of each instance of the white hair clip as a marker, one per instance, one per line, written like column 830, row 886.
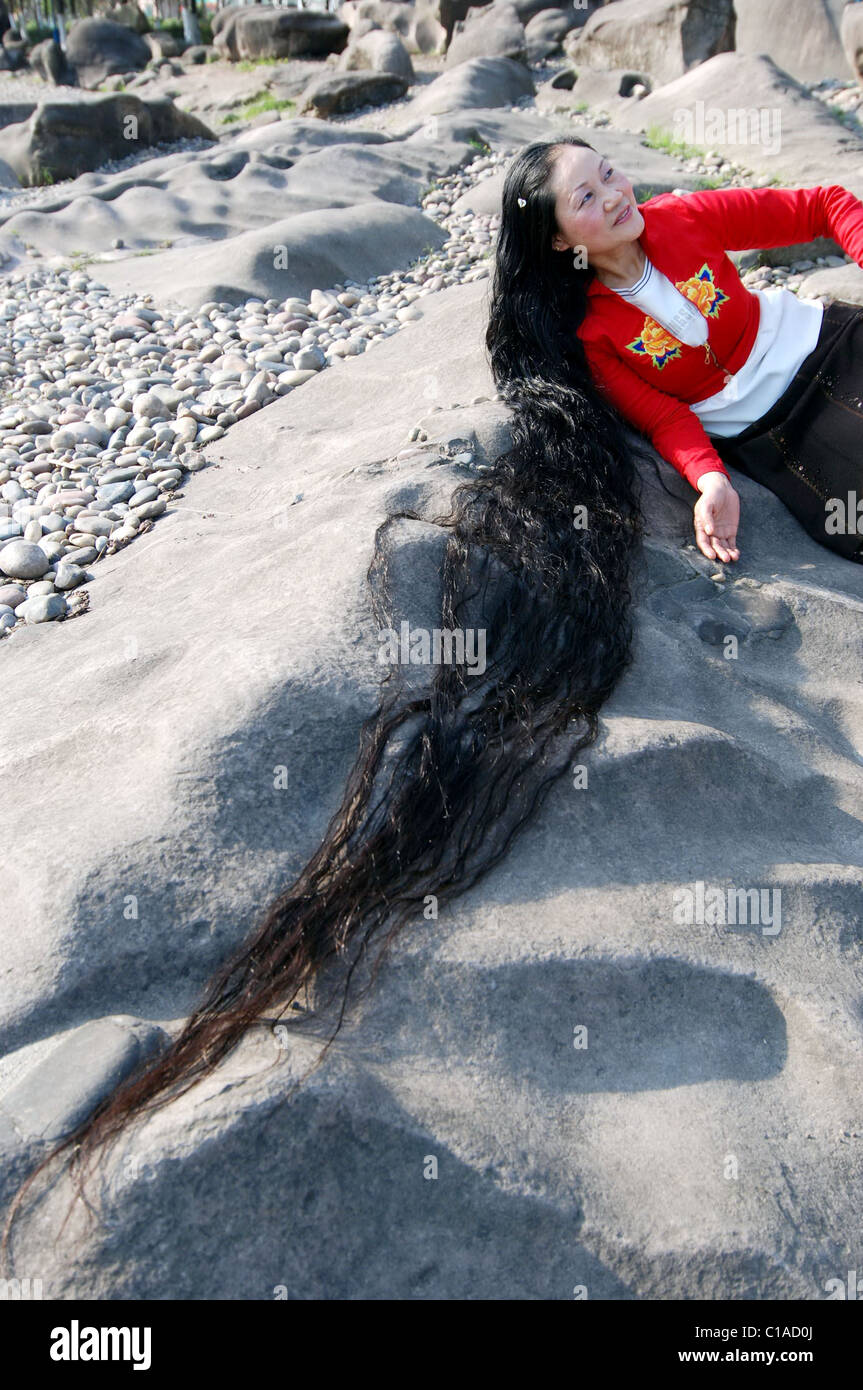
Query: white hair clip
column 522, row 202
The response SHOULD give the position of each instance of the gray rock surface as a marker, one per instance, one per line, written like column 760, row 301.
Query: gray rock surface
column 604, row 1167
column 285, row 258
column 236, row 636
column 252, row 181
column 801, row 36
column 792, row 134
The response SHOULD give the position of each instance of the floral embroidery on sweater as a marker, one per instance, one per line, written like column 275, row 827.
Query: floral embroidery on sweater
column 656, row 342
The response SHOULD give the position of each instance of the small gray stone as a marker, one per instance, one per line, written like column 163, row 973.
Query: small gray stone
column 42, row 608
column 68, row 576
column 23, row 560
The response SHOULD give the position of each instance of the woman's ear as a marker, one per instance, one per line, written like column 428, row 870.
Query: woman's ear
column 558, row 243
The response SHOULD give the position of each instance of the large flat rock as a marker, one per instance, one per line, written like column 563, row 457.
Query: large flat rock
column 238, row 636
column 285, row 258
column 229, row 190
column 780, row 128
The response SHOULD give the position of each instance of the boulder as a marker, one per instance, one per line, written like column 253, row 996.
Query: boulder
column 666, row 37
column 575, row 15
column 391, row 15
column 494, row 31
column 257, row 31
column 479, row 82
column 428, row 34
column 48, row 61
column 13, row 112
column 337, row 93
column 247, row 182
column 747, row 108
column 379, row 52
column 163, row 44
column 65, row 138
column 417, row 24
column 545, row 31
column 15, row 49
column 316, row 248
column 611, row 90
column 801, row 36
column 129, row 15
column 451, row 11
column 99, row 48
column 851, row 31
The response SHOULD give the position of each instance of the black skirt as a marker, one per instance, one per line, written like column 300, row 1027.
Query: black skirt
column 808, row 448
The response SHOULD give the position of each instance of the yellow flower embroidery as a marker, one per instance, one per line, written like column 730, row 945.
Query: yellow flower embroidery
column 656, row 342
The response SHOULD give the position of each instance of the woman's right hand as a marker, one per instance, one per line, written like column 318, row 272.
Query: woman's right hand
column 717, row 516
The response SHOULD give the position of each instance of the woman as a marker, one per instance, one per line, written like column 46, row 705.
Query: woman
column 696, row 361
column 538, row 554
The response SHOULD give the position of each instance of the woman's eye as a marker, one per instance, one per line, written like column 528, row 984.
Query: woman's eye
column 587, row 195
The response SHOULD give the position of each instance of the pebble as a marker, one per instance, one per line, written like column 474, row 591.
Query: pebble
column 42, row 608
column 23, row 560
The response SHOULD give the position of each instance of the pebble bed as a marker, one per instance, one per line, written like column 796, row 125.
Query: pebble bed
column 107, row 403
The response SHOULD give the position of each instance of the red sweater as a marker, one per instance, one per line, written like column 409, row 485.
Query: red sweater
column 648, row 374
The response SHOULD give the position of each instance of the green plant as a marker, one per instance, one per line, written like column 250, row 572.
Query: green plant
column 252, row 64
column 657, row 138
column 44, row 176
column 264, row 101
column 480, row 145
column 37, row 32
column 580, row 106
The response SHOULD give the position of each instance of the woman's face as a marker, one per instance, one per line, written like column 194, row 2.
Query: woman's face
column 590, row 194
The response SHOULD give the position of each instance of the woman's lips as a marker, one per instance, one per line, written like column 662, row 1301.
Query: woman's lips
column 623, row 216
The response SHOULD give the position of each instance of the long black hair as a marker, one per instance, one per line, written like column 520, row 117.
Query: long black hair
column 538, row 550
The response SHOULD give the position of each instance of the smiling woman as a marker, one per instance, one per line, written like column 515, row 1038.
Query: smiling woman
column 660, row 291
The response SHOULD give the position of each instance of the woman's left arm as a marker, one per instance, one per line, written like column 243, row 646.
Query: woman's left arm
column 745, row 219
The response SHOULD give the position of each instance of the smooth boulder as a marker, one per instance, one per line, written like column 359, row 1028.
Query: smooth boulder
column 492, row 32
column 486, row 82
column 99, row 48
column 48, row 61
column 377, row 51
column 257, row 31
column 851, row 32
column 65, row 138
column 340, row 92
column 667, row 37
